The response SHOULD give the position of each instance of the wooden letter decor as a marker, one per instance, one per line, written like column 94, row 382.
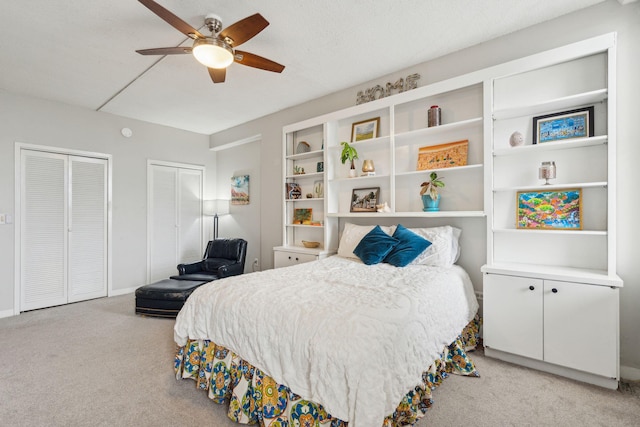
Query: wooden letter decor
column 378, row 91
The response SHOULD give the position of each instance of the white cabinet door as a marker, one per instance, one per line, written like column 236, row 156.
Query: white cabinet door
column 513, row 315
column 581, row 327
column 285, row 259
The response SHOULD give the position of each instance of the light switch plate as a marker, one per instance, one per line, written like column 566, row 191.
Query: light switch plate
column 2, row 218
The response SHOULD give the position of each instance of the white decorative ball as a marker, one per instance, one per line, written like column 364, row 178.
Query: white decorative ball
column 516, row 139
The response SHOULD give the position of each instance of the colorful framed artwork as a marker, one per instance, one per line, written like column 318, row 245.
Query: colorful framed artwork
column 443, row 155
column 293, row 190
column 366, row 129
column 240, row 190
column 364, row 199
column 302, row 216
column 563, row 125
column 549, row 209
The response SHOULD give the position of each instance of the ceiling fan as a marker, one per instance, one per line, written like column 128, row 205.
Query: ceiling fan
column 216, row 51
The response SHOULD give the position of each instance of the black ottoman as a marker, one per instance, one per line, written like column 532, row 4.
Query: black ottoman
column 164, row 298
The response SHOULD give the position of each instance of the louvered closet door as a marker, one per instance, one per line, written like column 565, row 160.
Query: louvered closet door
column 43, row 228
column 175, row 219
column 164, row 222
column 87, row 229
column 190, row 218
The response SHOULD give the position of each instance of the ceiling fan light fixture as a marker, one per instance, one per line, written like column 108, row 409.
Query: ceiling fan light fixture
column 212, row 52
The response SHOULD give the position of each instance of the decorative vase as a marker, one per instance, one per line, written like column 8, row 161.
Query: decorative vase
column 430, row 205
column 368, row 168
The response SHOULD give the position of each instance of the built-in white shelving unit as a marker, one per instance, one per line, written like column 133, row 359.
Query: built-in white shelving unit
column 551, row 297
column 403, row 130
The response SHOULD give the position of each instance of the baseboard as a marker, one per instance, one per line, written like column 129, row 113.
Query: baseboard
column 628, row 373
column 610, row 383
column 7, row 313
column 118, row 292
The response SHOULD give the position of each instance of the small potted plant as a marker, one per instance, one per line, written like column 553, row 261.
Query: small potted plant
column 429, row 193
column 349, row 153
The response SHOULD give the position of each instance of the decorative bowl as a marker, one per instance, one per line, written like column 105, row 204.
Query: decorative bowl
column 310, row 244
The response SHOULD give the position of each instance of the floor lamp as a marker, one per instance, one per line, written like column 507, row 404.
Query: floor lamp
column 215, row 208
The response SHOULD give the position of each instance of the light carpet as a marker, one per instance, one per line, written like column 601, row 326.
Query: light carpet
column 96, row 363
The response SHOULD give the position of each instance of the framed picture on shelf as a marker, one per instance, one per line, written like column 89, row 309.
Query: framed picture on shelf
column 443, row 155
column 364, row 199
column 292, row 190
column 549, row 209
column 302, row 216
column 563, row 125
column 366, row 129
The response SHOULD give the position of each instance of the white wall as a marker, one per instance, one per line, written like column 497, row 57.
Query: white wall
column 241, row 221
column 599, row 19
column 39, row 122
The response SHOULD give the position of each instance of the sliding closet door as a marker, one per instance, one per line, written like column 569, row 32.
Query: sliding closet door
column 87, row 228
column 43, row 210
column 175, row 218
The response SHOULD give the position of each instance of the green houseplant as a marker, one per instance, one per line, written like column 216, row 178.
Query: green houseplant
column 429, row 192
column 349, row 153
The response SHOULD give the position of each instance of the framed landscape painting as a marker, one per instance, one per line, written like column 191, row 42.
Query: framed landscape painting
column 366, row 129
column 549, row 209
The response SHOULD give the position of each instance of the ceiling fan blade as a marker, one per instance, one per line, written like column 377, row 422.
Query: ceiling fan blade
column 217, row 74
column 244, row 29
column 165, row 51
column 255, row 61
column 172, row 19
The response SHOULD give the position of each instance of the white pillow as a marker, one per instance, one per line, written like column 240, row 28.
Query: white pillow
column 444, row 250
column 351, row 236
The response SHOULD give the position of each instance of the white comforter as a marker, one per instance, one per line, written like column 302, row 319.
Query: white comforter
column 352, row 337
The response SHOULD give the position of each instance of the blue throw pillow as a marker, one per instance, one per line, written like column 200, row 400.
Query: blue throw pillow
column 409, row 247
column 374, row 246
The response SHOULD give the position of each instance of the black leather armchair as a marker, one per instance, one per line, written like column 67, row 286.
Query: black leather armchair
column 222, row 258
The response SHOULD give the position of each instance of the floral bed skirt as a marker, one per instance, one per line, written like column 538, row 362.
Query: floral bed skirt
column 255, row 398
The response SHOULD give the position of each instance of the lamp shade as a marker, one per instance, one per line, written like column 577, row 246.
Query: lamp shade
column 212, row 52
column 215, row 207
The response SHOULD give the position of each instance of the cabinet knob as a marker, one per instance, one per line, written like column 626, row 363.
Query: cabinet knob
column 554, row 290
column 297, row 259
column 531, row 287
column 289, row 257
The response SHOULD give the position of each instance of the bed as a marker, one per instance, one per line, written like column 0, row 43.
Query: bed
column 335, row 341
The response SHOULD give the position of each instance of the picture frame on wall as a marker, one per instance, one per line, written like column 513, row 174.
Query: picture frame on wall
column 240, row 190
column 364, row 199
column 563, row 125
column 558, row 209
column 366, row 129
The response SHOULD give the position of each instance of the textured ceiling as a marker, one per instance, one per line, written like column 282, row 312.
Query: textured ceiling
column 83, row 52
